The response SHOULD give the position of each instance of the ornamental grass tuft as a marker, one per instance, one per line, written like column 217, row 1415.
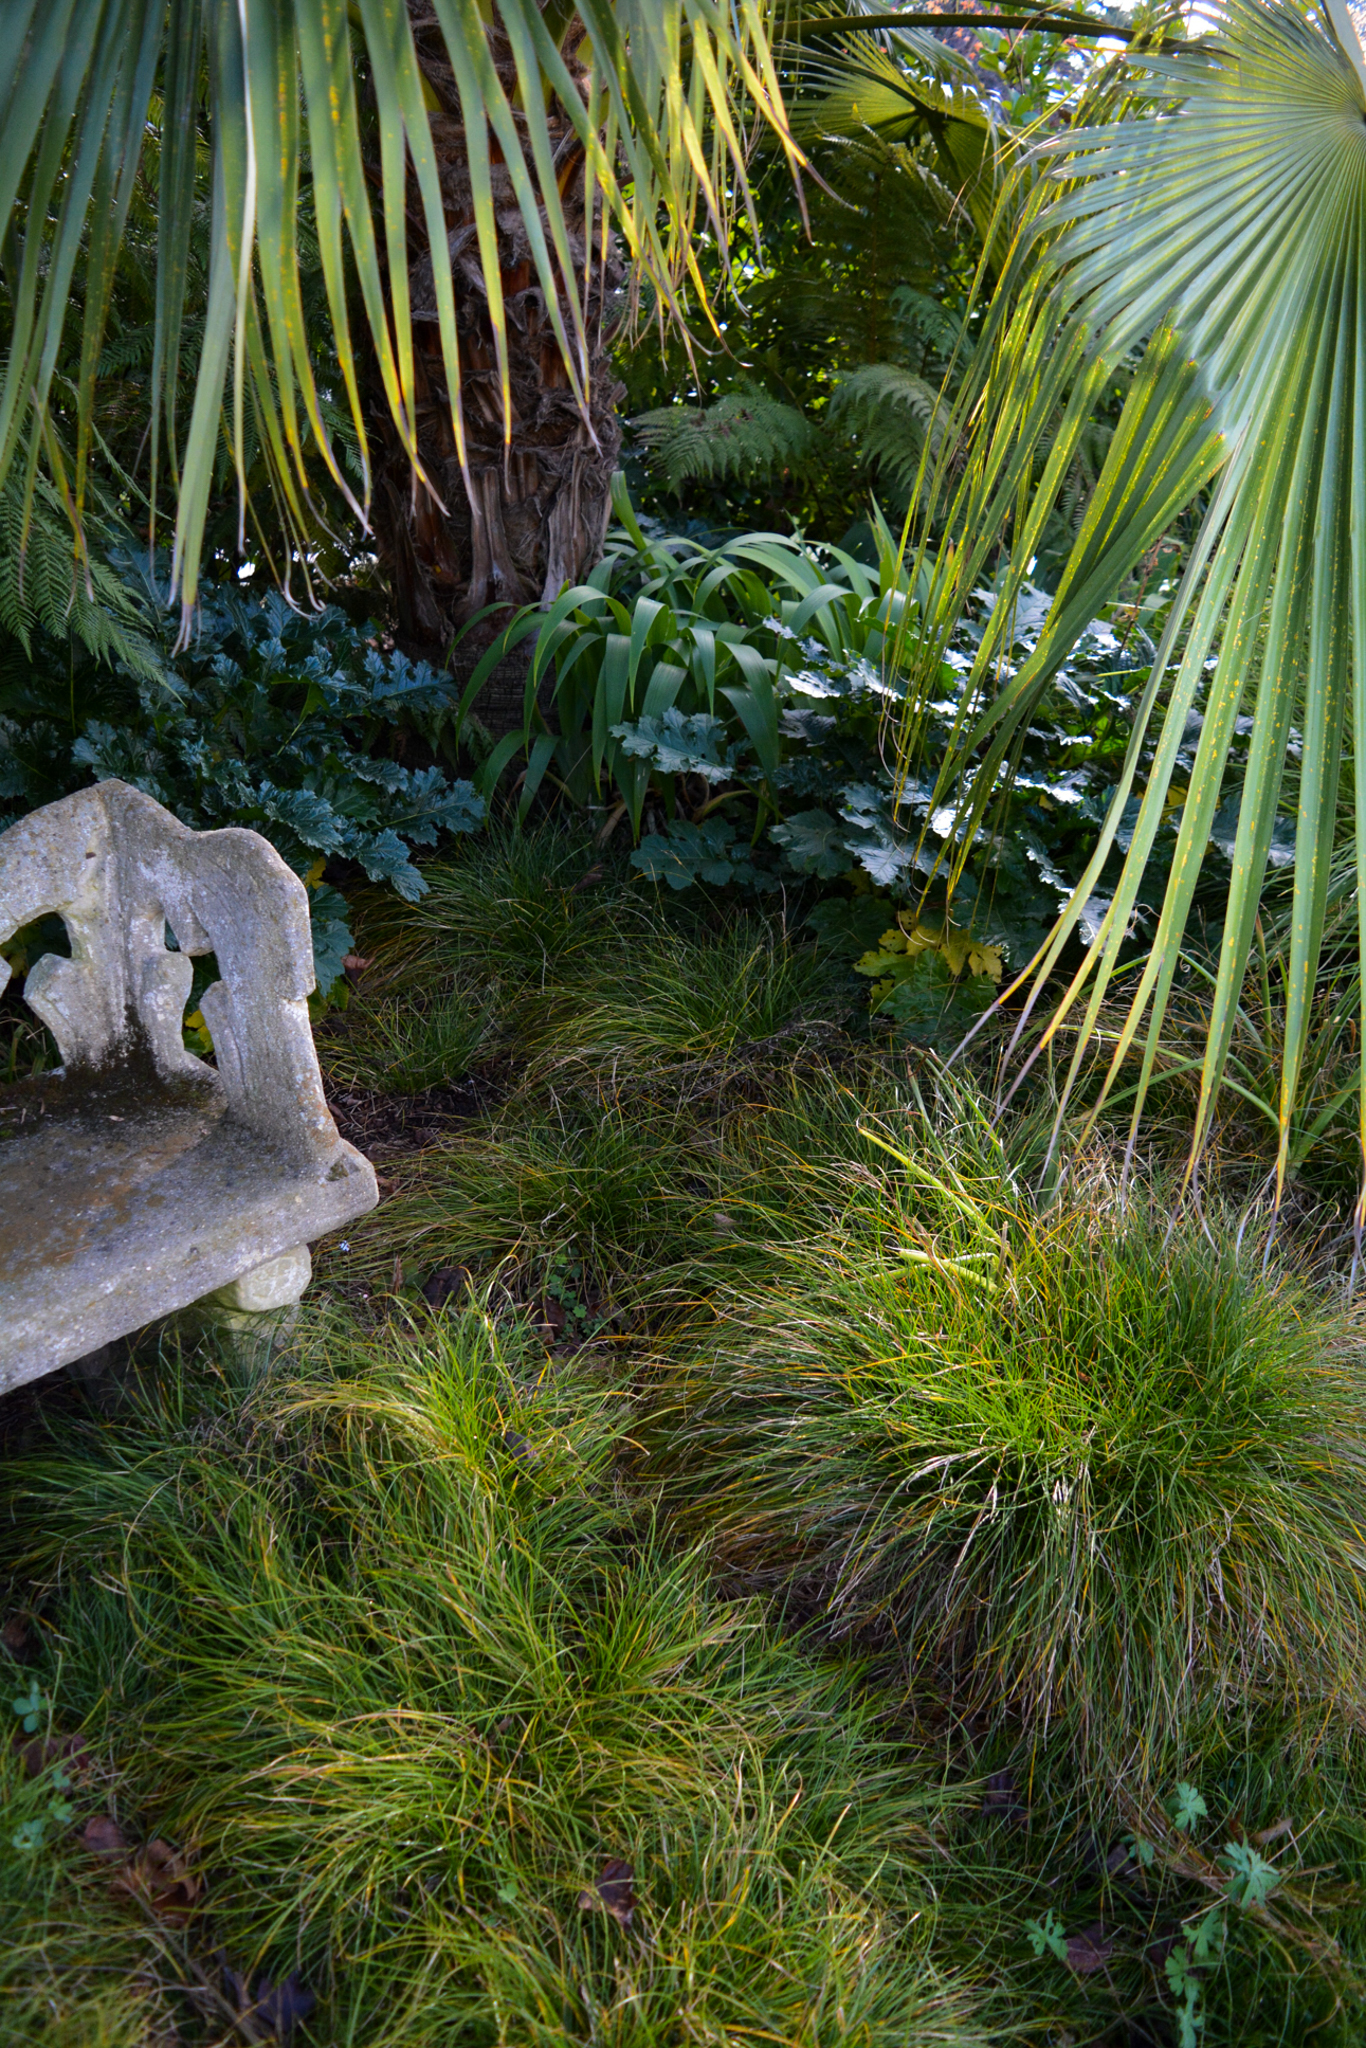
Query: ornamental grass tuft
column 459, row 1743
column 1087, row 1466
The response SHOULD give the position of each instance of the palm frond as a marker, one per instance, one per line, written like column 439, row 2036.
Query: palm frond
column 660, row 98
column 918, row 91
column 1223, row 237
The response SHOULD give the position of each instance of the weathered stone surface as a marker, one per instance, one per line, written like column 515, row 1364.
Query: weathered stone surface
column 138, row 1179
column 274, row 1285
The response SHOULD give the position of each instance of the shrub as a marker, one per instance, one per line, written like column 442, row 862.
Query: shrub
column 272, row 718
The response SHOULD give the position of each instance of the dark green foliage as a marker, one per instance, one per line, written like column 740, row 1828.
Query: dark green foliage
column 747, row 433
column 285, row 721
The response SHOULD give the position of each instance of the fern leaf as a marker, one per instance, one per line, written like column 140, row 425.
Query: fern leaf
column 745, row 434
column 44, row 588
column 893, row 414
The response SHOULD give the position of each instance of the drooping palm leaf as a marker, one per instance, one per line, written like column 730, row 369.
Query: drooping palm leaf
column 918, row 90
column 657, row 94
column 1225, row 235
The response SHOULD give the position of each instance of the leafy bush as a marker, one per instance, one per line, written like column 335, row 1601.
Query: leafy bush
column 736, row 703
column 271, row 718
column 740, row 705
column 672, row 662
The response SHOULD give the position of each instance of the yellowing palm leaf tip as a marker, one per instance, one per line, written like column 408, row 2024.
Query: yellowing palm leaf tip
column 516, row 134
column 1221, row 229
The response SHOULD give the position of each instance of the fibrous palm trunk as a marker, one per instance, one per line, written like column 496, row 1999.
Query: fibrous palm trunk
column 536, row 510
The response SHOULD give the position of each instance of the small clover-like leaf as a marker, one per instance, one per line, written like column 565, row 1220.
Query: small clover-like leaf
column 29, row 1706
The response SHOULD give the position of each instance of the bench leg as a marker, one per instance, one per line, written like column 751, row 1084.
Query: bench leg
column 277, row 1284
column 257, row 1311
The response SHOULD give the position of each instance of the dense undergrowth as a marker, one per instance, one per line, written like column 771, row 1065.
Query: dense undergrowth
column 734, row 1551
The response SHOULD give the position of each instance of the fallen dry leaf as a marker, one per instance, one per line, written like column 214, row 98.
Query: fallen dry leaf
column 104, row 1837
column 160, row 1877
column 19, row 1638
column 38, row 1753
column 446, row 1284
column 1090, row 1950
column 614, row 1892
column 1273, row 1834
column 274, row 2010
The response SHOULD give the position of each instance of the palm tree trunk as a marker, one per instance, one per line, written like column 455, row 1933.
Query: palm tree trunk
column 536, row 511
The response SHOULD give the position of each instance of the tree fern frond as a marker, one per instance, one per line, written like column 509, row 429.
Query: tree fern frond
column 131, row 350
column 926, row 322
column 744, row 434
column 893, row 413
column 43, row 587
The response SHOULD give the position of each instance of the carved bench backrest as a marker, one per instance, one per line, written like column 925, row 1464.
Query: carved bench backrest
column 118, row 869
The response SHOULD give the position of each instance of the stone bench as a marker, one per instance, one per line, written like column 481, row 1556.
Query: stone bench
column 137, row 1179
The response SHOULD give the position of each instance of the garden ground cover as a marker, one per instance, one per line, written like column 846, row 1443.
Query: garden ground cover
column 719, row 1560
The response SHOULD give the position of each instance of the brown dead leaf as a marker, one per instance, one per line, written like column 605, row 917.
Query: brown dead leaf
column 104, row 1837
column 273, row 2011
column 38, row 1753
column 1273, row 1834
column 19, row 1637
column 446, row 1284
column 161, row 1879
column 1090, row 1950
column 614, row 1892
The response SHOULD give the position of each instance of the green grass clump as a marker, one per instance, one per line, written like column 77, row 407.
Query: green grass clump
column 584, row 1182
column 76, row 1971
column 386, row 1640
column 1095, row 1474
column 523, row 907
column 683, row 1000
column 402, row 1044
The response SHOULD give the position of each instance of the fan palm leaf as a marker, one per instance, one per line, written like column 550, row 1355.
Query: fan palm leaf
column 1223, row 235
column 661, row 97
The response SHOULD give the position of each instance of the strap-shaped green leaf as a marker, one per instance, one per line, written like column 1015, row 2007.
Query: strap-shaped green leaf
column 1227, row 238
